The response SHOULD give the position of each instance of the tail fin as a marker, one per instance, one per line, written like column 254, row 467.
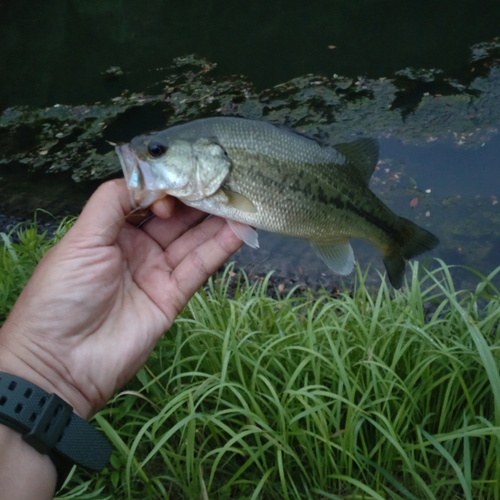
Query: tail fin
column 414, row 241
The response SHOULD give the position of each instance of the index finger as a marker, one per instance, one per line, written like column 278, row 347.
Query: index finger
column 200, row 263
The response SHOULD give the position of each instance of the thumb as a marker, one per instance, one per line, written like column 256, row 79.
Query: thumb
column 104, row 215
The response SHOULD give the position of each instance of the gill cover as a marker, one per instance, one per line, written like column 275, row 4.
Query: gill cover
column 212, row 167
column 190, row 170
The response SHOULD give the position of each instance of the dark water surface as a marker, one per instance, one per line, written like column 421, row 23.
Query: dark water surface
column 55, row 51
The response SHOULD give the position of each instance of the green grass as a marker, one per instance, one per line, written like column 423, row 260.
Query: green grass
column 370, row 395
column 20, row 251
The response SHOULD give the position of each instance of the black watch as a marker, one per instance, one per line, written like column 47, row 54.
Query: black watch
column 48, row 423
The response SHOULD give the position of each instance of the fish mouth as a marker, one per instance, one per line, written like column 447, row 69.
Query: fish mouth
column 139, row 178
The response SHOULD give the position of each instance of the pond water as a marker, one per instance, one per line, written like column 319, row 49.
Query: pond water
column 57, row 51
column 54, row 51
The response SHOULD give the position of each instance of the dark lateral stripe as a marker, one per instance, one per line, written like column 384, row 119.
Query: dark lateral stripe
column 345, row 204
column 316, row 193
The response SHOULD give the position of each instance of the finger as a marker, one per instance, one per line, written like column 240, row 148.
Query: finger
column 139, row 216
column 141, row 255
column 104, row 214
column 199, row 264
column 192, row 239
column 183, row 218
column 163, row 208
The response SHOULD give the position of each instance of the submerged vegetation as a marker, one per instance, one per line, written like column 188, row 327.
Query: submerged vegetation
column 67, row 145
column 370, row 394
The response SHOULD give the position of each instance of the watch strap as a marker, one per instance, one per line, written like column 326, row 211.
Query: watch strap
column 48, row 423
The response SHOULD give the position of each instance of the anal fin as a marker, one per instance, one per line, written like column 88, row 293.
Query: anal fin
column 337, row 255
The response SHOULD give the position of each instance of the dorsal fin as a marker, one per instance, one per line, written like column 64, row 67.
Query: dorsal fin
column 362, row 154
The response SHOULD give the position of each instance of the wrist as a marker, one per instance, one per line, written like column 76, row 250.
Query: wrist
column 21, row 361
column 48, row 424
column 24, row 472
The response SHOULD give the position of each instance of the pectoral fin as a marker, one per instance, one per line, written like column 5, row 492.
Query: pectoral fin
column 238, row 201
column 337, row 255
column 245, row 233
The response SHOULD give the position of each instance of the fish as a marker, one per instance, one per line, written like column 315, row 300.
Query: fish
column 258, row 175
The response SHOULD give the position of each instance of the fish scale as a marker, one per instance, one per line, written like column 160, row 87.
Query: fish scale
column 257, row 174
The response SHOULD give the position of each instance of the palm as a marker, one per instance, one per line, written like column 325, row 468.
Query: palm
column 111, row 290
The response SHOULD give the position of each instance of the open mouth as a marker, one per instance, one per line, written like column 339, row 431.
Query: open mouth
column 139, row 178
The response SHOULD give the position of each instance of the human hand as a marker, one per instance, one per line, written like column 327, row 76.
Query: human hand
column 99, row 300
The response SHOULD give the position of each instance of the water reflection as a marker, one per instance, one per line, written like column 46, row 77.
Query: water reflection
column 448, row 169
column 55, row 50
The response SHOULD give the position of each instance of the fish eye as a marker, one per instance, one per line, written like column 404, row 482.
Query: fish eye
column 156, row 149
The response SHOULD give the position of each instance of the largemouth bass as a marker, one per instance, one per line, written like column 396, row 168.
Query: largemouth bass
column 256, row 174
